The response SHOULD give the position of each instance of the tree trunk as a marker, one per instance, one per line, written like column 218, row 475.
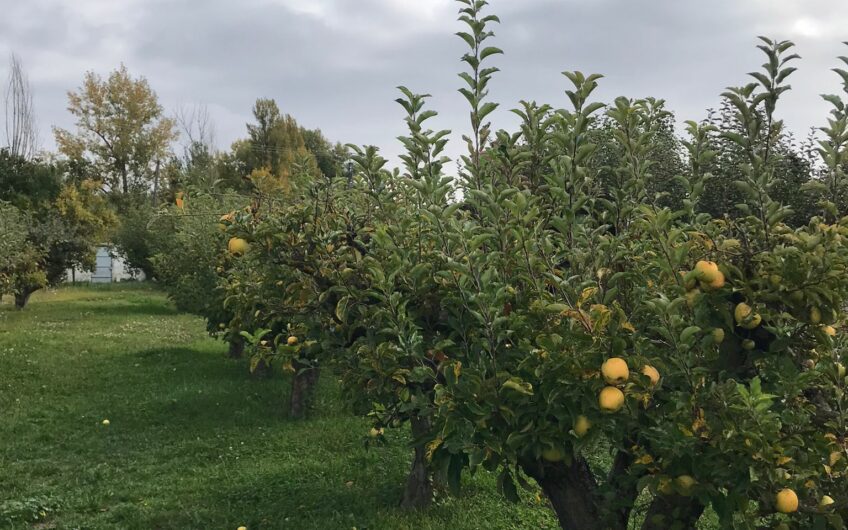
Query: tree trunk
column 262, row 370
column 571, row 491
column 236, row 349
column 125, row 180
column 418, row 493
column 302, row 390
column 624, row 485
column 673, row 511
column 22, row 297
column 155, row 197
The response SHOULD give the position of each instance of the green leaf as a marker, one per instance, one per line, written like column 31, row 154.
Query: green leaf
column 491, row 50
column 486, row 109
column 469, row 39
column 341, row 308
column 507, row 487
column 687, row 334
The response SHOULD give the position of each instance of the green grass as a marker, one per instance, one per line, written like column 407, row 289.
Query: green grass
column 193, row 441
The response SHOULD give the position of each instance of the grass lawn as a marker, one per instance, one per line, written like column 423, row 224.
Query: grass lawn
column 193, row 442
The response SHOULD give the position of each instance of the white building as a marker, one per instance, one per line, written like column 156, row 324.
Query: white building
column 110, row 267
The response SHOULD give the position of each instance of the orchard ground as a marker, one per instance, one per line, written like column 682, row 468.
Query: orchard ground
column 192, row 441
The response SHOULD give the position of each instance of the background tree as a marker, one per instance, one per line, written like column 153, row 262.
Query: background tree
column 88, row 221
column 64, row 222
column 27, row 184
column 328, row 157
column 121, row 131
column 21, row 128
column 274, row 142
column 666, row 162
column 831, row 186
column 134, row 238
column 16, row 253
column 792, row 169
column 198, row 164
column 196, row 126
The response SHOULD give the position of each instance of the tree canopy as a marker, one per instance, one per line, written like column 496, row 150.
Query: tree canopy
column 121, row 131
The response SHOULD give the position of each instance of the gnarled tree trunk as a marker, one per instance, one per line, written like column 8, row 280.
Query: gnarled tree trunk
column 302, row 390
column 571, row 490
column 22, row 297
column 419, row 484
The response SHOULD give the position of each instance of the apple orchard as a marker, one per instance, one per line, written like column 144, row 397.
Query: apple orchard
column 552, row 299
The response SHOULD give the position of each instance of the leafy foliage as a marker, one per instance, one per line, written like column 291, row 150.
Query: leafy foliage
column 55, row 226
column 484, row 308
column 188, row 254
column 120, row 131
column 18, row 256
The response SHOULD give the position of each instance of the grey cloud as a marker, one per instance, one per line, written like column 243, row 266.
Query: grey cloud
column 338, row 69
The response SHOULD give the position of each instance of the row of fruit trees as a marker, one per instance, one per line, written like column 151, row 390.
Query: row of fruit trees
column 538, row 308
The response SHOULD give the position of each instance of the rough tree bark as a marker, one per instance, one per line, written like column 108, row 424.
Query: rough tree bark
column 418, row 493
column 302, row 390
column 236, row 349
column 572, row 491
column 22, row 297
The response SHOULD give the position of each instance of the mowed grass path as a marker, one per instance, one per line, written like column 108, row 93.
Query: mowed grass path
column 193, row 441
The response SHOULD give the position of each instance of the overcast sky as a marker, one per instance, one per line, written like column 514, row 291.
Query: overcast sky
column 334, row 64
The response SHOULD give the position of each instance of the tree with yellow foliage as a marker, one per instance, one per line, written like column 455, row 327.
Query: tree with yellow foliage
column 121, row 132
